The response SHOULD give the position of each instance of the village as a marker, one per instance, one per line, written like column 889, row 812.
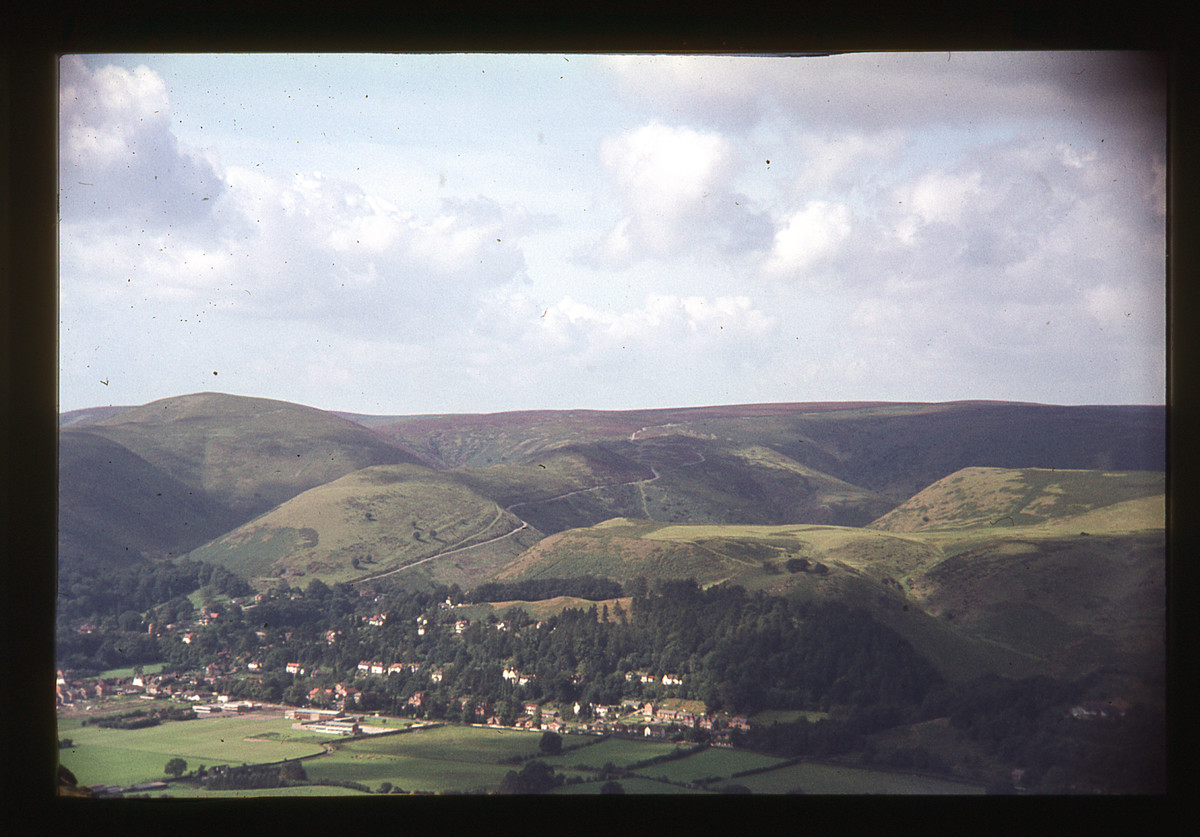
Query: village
column 331, row 710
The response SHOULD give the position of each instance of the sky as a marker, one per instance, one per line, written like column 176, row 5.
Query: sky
column 399, row 234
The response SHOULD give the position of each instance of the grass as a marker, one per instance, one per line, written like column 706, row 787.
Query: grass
column 620, row 752
column 182, row 791
column 710, row 762
column 832, row 779
column 980, row 497
column 115, row 757
column 633, row 785
column 121, row 673
column 381, row 518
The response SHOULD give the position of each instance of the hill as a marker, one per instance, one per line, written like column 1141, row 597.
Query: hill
column 248, row 454
column 974, row 497
column 370, row 524
column 1040, row 594
column 114, row 505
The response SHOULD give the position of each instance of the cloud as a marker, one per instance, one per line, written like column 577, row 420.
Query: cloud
column 118, row 159
column 877, row 91
column 807, row 236
column 675, row 187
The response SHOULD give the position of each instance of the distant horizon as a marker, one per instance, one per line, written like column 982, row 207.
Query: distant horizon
column 849, row 402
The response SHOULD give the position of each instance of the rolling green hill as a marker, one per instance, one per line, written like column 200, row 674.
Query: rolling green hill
column 249, row 454
column 370, row 523
column 976, row 497
column 1040, row 594
column 893, row 449
column 114, row 505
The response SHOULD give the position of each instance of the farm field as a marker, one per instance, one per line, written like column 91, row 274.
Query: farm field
column 182, row 791
column 125, row 757
column 630, row 786
column 710, row 762
column 833, row 779
column 444, row 759
column 620, row 752
column 120, row 673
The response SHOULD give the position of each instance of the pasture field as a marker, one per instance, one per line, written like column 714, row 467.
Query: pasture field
column 621, row 752
column 479, row 745
column 125, row 757
column 182, row 791
column 630, row 786
column 710, row 762
column 449, row 758
column 432, row 775
column 151, row 668
column 833, row 779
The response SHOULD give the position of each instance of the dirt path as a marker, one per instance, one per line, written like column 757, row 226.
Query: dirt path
column 525, row 525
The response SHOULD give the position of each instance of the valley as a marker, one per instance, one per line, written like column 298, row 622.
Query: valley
column 910, row 572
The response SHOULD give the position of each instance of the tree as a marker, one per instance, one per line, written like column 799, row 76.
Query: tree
column 292, row 771
column 175, row 767
column 551, row 743
column 612, row 787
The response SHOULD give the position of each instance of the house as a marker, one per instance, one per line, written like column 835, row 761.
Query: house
column 254, row 665
column 395, row 668
column 377, row 620
column 332, row 636
column 378, row 668
column 671, row 680
column 294, row 668
column 417, row 699
column 436, row 675
column 461, row 625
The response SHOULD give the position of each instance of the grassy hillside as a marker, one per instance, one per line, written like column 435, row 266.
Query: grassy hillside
column 975, row 497
column 894, row 449
column 365, row 524
column 114, row 505
column 1075, row 584
column 249, row 454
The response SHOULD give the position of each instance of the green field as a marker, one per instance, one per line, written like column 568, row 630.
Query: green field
column 620, row 752
column 116, row 673
column 449, row 758
column 630, row 786
column 182, row 791
column 710, row 762
column 125, row 757
column 831, row 779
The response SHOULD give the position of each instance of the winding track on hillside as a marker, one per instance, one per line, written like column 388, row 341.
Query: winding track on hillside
column 524, row 524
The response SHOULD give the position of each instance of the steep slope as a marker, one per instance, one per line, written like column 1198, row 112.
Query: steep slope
column 893, row 449
column 1014, row 572
column 371, row 523
column 975, row 497
column 249, row 454
column 114, row 505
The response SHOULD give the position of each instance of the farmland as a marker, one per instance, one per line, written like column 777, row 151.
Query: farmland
column 447, row 759
column 125, row 757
